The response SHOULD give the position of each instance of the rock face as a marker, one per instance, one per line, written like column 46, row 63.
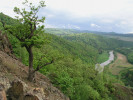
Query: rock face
column 16, row 91
column 21, row 91
column 30, row 97
column 2, row 93
column 5, row 44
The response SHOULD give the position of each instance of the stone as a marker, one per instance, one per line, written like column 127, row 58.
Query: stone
column 5, row 45
column 30, row 97
column 16, row 91
column 2, row 93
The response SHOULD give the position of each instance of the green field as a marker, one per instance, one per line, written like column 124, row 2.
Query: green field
column 103, row 57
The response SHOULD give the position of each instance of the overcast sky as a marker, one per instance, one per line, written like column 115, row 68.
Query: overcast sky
column 95, row 15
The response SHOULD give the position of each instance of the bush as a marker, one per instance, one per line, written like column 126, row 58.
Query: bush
column 130, row 57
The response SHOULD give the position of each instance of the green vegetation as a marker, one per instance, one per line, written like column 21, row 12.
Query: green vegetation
column 75, row 56
column 119, row 64
column 103, row 57
column 127, row 76
column 124, row 37
column 27, row 32
column 71, row 72
column 97, row 41
column 128, row 52
column 122, row 70
column 61, row 32
column 130, row 57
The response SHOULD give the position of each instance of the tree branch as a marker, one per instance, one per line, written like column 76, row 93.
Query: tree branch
column 39, row 67
column 5, row 28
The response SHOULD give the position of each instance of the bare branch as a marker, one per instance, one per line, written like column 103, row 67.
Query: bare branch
column 39, row 67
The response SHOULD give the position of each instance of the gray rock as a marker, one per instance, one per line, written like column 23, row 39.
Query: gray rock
column 2, row 92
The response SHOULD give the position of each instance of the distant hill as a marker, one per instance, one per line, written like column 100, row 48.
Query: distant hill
column 124, row 37
column 58, row 31
column 62, row 32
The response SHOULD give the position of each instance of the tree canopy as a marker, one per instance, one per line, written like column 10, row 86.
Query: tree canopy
column 29, row 31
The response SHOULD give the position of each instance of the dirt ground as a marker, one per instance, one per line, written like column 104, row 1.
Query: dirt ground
column 12, row 69
column 119, row 64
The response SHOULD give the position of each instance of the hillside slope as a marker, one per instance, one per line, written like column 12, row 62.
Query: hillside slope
column 13, row 80
column 72, row 71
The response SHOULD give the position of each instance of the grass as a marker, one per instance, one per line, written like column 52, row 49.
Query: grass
column 121, row 70
column 115, row 78
column 103, row 57
column 119, row 64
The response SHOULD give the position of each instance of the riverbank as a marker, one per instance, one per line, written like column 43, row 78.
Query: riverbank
column 100, row 67
column 121, row 63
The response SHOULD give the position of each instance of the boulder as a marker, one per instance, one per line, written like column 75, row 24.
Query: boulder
column 20, row 91
column 2, row 93
column 31, row 97
column 36, row 93
column 16, row 91
column 5, row 45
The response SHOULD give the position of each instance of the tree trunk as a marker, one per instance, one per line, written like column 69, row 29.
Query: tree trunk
column 31, row 76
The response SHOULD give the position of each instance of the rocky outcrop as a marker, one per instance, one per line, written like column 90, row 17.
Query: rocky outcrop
column 16, row 91
column 30, row 97
column 5, row 44
column 21, row 91
column 2, row 92
column 13, row 76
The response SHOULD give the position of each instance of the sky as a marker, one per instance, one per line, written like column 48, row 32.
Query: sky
column 93, row 15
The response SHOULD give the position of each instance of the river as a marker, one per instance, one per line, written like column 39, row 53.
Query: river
column 100, row 67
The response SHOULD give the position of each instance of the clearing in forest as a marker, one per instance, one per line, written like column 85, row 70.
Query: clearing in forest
column 119, row 64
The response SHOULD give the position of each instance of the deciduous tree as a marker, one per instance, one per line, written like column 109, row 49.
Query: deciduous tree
column 29, row 31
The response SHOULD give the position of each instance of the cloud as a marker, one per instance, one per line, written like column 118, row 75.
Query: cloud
column 107, row 20
column 94, row 25
column 100, row 15
column 83, row 8
column 69, row 26
column 50, row 26
column 111, row 15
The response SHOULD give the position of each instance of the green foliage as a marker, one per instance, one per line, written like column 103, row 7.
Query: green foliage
column 124, row 50
column 103, row 57
column 128, row 52
column 85, row 92
column 127, row 77
column 75, row 57
column 61, row 32
column 69, row 73
column 27, row 31
column 8, row 20
column 97, row 41
column 130, row 57
column 19, row 51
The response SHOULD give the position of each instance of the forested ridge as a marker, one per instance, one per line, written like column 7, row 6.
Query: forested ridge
column 75, row 56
